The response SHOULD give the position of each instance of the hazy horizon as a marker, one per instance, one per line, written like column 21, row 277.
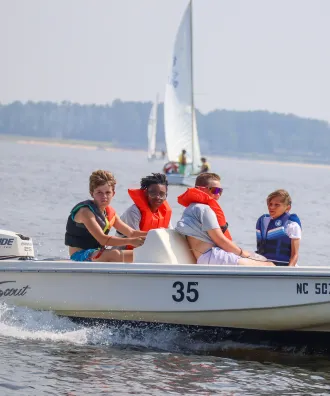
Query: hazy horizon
column 256, row 55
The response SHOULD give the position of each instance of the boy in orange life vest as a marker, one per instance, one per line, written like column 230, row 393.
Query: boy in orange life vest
column 150, row 209
column 90, row 221
column 204, row 224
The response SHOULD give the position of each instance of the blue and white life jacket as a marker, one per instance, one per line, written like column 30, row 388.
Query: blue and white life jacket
column 273, row 242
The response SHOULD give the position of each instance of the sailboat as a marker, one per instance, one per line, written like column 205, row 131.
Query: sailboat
column 152, row 131
column 179, row 109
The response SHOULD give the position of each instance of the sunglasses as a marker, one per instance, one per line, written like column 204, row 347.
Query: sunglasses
column 213, row 190
column 160, row 195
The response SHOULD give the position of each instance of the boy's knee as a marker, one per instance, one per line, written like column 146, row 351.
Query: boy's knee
column 116, row 255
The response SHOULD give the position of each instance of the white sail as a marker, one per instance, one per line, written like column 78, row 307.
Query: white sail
column 179, row 112
column 152, row 131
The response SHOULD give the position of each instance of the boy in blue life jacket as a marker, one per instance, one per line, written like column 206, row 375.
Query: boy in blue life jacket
column 279, row 232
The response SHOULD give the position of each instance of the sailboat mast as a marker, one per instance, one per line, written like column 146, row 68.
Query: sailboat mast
column 192, row 84
column 156, row 117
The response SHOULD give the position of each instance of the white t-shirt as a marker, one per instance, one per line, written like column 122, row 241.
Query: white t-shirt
column 291, row 228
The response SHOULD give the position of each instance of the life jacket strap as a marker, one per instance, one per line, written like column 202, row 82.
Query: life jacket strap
column 224, row 228
column 101, row 250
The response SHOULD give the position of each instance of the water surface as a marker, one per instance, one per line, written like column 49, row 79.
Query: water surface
column 45, row 354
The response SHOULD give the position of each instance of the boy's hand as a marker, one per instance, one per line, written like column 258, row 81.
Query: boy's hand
column 136, row 242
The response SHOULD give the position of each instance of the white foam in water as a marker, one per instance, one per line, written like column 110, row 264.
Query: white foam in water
column 25, row 323
column 28, row 324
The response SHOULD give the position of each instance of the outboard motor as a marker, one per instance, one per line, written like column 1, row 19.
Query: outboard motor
column 14, row 245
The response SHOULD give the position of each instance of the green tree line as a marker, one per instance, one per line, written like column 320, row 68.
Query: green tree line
column 124, row 124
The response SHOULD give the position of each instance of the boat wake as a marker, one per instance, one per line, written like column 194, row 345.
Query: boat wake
column 28, row 324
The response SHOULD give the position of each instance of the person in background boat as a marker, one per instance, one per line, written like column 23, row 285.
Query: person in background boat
column 90, row 221
column 205, row 167
column 170, row 167
column 182, row 162
column 150, row 209
column 204, row 224
column 279, row 232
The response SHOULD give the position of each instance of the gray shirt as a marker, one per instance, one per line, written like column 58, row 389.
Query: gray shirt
column 196, row 220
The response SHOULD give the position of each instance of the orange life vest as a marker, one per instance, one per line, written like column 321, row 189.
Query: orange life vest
column 150, row 220
column 194, row 195
column 110, row 215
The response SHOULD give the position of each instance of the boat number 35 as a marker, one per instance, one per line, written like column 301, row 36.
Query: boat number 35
column 185, row 291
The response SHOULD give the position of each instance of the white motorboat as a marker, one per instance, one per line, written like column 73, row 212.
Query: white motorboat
column 165, row 285
column 179, row 109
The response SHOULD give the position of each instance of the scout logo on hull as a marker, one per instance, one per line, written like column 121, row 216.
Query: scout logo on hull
column 7, row 289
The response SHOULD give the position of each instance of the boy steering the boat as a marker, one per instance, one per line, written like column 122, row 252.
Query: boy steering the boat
column 90, row 221
column 204, row 224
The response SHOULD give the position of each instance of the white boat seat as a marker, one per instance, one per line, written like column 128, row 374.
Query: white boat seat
column 164, row 246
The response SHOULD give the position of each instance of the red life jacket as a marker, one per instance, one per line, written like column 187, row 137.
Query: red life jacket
column 150, row 220
column 194, row 195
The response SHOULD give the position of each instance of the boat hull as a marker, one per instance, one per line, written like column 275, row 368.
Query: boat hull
column 180, row 180
column 263, row 298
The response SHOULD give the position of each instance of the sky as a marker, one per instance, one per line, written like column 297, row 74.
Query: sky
column 248, row 54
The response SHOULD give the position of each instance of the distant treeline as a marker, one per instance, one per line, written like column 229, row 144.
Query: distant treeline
column 124, row 124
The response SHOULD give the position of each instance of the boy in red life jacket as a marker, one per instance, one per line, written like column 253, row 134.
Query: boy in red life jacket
column 90, row 221
column 150, row 209
column 204, row 224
